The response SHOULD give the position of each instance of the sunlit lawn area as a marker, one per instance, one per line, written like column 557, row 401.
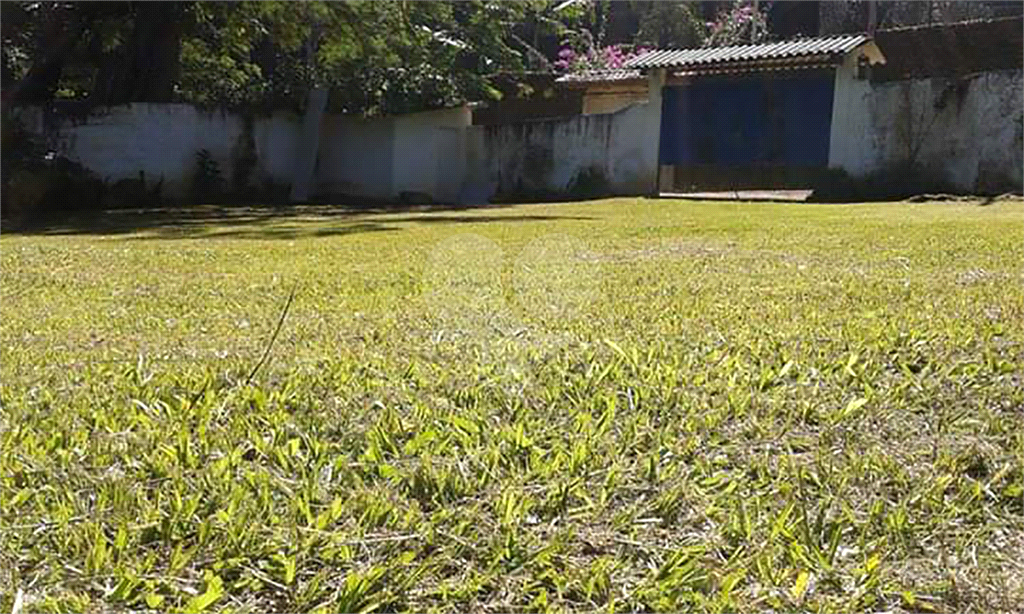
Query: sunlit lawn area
column 621, row 404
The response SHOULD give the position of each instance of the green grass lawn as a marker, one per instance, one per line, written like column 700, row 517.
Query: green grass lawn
column 623, row 404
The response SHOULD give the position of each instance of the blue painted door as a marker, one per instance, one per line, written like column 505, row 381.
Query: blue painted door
column 767, row 118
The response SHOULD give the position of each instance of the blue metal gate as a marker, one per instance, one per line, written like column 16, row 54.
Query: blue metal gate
column 775, row 120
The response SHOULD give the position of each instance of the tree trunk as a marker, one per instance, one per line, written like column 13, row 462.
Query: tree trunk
column 158, row 56
column 62, row 33
column 150, row 66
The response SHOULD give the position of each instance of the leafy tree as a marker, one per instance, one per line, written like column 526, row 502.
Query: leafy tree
column 671, row 25
column 375, row 56
column 742, row 23
column 38, row 39
column 146, row 65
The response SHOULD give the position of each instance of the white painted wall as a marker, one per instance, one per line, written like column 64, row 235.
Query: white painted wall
column 277, row 140
column 970, row 137
column 548, row 156
column 428, row 152
column 356, row 156
column 437, row 153
column 450, row 165
column 652, row 127
column 303, row 180
column 974, row 142
column 161, row 140
column 383, row 157
column 377, row 158
column 850, row 140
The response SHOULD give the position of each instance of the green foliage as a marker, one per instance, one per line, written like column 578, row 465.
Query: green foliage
column 893, row 183
column 207, row 182
column 589, row 183
column 136, row 193
column 761, row 406
column 40, row 185
column 671, row 25
column 743, row 23
column 386, row 56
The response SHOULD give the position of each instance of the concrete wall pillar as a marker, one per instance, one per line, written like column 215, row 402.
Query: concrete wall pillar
column 851, row 137
column 842, row 100
column 652, row 132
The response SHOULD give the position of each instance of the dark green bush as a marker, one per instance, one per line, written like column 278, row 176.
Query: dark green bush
column 207, row 182
column 894, row 183
column 40, row 185
column 134, row 194
column 589, row 183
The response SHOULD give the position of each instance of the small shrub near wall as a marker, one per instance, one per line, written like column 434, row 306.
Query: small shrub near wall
column 39, row 185
column 589, row 183
column 895, row 183
column 274, row 192
column 207, row 181
column 56, row 189
column 135, row 193
column 23, row 191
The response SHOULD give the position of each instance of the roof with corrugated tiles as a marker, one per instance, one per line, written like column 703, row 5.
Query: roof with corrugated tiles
column 699, row 58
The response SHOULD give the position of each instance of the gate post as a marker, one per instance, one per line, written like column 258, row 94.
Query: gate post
column 655, row 84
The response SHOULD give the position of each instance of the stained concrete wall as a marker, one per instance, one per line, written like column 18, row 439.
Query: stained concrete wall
column 377, row 158
column 383, row 158
column 555, row 156
column 436, row 153
column 277, row 140
column 428, row 153
column 966, row 133
column 162, row 140
column 356, row 156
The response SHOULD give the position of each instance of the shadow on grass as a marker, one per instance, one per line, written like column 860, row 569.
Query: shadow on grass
column 231, row 230
column 290, row 222
column 482, row 219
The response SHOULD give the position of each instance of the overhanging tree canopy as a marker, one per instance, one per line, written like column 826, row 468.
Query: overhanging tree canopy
column 374, row 56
